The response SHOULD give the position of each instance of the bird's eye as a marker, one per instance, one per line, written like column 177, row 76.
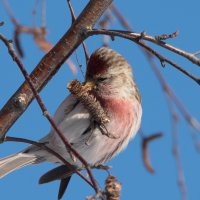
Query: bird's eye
column 101, row 79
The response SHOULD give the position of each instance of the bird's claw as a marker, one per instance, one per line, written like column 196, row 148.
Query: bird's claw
column 105, row 132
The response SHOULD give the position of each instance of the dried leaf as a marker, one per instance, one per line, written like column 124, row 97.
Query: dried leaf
column 145, row 152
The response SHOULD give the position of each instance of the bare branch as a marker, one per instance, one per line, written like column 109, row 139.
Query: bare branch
column 169, row 92
column 176, row 153
column 73, row 19
column 51, row 151
column 137, row 37
column 9, row 11
column 132, row 36
column 120, row 17
column 71, row 11
column 44, row 13
column 34, row 12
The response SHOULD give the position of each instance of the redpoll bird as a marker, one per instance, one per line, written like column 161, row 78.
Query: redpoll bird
column 113, row 86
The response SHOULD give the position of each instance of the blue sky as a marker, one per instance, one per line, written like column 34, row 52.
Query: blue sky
column 155, row 18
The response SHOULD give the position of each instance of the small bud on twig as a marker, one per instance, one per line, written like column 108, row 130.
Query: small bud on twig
column 113, row 188
column 167, row 36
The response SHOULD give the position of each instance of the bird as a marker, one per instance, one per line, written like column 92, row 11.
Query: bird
column 112, row 84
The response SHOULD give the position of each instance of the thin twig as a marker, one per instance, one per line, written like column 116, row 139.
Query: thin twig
column 164, row 60
column 192, row 121
column 135, row 37
column 196, row 53
column 120, row 17
column 34, row 12
column 51, row 151
column 190, row 56
column 132, row 36
column 79, row 64
column 149, row 57
column 83, row 44
column 9, row 11
column 166, row 88
column 172, row 98
column 44, row 23
column 73, row 19
column 104, row 23
column 176, row 153
column 71, row 11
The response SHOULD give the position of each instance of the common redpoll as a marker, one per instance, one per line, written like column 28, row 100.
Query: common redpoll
column 114, row 88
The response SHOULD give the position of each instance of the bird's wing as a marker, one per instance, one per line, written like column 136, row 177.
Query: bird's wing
column 73, row 119
column 65, row 108
column 75, row 122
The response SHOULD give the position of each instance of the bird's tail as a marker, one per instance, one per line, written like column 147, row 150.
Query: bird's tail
column 16, row 161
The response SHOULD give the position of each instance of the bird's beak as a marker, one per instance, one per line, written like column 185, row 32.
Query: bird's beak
column 89, row 85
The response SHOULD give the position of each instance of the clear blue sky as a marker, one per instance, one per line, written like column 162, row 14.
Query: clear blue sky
column 154, row 17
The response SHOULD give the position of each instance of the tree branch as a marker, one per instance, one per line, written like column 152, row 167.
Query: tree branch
column 137, row 37
column 51, row 151
column 154, row 39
